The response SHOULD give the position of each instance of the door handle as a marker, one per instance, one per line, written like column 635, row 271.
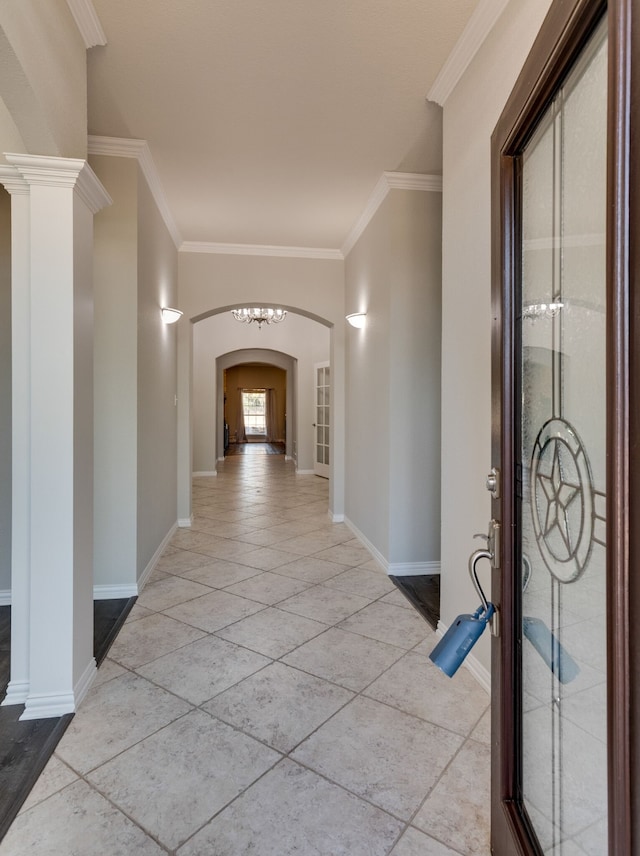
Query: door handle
column 492, row 554
column 493, row 542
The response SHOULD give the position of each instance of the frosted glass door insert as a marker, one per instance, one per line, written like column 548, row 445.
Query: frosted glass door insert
column 563, row 466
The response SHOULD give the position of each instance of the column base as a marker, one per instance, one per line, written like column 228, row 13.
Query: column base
column 17, row 693
column 46, row 705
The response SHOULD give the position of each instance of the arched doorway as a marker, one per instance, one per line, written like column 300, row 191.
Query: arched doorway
column 189, row 409
column 266, row 357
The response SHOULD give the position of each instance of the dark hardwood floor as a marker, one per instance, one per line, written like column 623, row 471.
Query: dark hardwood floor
column 5, row 647
column 424, row 593
column 251, row 448
column 25, row 747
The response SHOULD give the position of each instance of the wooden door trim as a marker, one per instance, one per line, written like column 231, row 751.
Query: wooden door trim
column 564, row 33
column 623, row 427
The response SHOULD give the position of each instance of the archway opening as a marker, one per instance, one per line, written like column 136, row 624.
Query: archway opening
column 303, row 337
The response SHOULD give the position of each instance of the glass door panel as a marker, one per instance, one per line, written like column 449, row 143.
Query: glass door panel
column 323, row 419
column 562, row 465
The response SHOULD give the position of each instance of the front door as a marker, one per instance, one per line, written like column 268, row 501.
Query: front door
column 556, row 780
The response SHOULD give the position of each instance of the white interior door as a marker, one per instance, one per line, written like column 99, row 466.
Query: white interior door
column 322, row 419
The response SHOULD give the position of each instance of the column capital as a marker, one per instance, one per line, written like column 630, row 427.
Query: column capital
column 73, row 173
column 12, row 180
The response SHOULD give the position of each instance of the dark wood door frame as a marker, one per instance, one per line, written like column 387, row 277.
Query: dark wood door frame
column 564, row 33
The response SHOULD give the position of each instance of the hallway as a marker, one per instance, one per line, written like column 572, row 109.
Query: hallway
column 269, row 694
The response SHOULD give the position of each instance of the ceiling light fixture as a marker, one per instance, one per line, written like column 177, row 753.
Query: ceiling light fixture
column 261, row 315
column 170, row 316
column 357, row 319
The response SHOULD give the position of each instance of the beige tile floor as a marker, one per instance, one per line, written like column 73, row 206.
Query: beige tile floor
column 269, row 694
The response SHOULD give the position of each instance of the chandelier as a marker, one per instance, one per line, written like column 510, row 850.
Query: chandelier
column 261, row 315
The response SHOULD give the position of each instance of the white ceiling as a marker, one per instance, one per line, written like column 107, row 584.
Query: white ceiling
column 270, row 121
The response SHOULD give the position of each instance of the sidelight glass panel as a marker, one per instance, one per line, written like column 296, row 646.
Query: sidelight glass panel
column 562, row 465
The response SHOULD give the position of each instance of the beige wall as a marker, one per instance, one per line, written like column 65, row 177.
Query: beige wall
column 393, row 383
column 135, row 273
column 116, row 375
column 470, row 115
column 43, row 78
column 10, row 138
column 255, row 377
column 5, row 392
column 157, row 369
column 368, row 426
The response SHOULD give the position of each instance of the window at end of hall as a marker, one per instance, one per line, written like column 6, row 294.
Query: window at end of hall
column 254, row 408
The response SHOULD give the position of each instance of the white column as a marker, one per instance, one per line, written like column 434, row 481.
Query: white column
column 64, row 194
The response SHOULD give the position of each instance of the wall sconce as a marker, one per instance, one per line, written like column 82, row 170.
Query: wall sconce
column 357, row 319
column 170, row 316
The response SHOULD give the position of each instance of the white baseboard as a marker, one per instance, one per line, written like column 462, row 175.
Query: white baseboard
column 288, row 457
column 335, row 518
column 185, row 522
column 86, row 679
column 305, row 472
column 100, row 592
column 206, row 472
column 377, row 555
column 413, row 569
column 479, row 672
column 17, row 693
column 47, row 705
column 394, row 569
column 144, row 576
column 111, row 592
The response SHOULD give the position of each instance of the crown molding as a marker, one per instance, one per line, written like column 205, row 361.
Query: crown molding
column 389, row 181
column 260, row 250
column 60, row 172
column 91, row 190
column 139, row 149
column 119, row 147
column 87, row 22
column 478, row 28
column 47, row 170
column 13, row 183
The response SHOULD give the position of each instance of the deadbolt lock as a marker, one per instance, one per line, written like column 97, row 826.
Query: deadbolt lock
column 493, row 483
